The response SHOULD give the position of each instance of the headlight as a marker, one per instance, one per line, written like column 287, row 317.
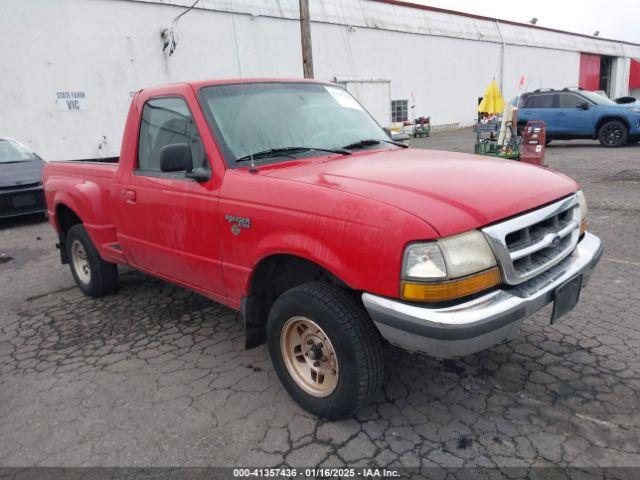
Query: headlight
column 582, row 201
column 447, row 258
column 448, row 268
column 424, row 261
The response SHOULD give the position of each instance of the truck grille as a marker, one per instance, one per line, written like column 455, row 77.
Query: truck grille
column 530, row 244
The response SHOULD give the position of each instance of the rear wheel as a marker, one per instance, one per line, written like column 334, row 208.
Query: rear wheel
column 613, row 134
column 92, row 274
column 325, row 349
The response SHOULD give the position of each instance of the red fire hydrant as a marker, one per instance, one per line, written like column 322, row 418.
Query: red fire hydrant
column 533, row 144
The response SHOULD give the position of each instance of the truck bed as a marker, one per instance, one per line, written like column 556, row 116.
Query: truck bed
column 92, row 160
column 85, row 187
column 80, row 169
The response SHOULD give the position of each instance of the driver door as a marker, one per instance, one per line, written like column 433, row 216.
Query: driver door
column 169, row 221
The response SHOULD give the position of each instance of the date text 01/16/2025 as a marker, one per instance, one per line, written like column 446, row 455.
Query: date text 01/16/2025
column 316, row 473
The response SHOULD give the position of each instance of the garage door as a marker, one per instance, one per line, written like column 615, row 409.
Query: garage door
column 589, row 71
column 374, row 94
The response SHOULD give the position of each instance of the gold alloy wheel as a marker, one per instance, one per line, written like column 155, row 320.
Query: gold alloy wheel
column 309, row 356
column 80, row 262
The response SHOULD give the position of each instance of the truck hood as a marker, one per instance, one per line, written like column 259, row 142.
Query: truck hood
column 453, row 192
column 20, row 173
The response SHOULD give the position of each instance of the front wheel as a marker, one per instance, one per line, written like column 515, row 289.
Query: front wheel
column 325, row 349
column 613, row 134
column 92, row 274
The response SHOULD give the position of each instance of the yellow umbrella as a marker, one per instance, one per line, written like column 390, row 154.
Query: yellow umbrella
column 492, row 101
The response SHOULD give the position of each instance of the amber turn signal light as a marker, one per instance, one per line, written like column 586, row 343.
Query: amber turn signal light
column 584, row 224
column 452, row 289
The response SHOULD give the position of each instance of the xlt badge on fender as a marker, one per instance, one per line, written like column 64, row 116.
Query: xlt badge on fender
column 238, row 223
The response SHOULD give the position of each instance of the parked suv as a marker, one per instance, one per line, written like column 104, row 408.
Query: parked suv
column 577, row 113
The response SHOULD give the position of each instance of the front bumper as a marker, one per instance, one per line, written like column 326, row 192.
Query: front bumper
column 21, row 201
column 483, row 322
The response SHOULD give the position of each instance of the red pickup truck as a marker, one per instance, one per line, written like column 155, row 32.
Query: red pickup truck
column 287, row 201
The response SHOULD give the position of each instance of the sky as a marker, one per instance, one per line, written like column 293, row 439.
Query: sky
column 616, row 19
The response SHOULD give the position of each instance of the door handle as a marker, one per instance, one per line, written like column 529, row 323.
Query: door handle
column 561, row 114
column 129, row 195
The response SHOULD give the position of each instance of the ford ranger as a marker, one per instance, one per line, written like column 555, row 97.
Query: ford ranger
column 285, row 200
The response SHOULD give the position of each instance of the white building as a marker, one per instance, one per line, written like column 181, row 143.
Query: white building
column 69, row 67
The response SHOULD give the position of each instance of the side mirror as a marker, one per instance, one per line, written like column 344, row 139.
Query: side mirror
column 584, row 106
column 396, row 137
column 176, row 157
column 199, row 174
column 399, row 137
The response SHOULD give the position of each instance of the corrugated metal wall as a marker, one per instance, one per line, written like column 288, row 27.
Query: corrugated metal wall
column 98, row 51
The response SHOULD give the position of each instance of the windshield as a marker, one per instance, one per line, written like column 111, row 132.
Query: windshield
column 597, row 98
column 256, row 117
column 11, row 151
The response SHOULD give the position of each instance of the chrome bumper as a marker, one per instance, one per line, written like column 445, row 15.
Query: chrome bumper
column 484, row 321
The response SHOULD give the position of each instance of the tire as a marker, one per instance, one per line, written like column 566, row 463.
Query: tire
column 92, row 274
column 346, row 334
column 613, row 134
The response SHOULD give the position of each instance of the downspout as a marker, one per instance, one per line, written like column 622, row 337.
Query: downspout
column 502, row 46
column 236, row 43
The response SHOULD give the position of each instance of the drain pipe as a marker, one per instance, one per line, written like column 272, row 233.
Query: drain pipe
column 502, row 47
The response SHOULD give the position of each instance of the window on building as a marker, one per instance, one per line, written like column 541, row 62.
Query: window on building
column 544, row 100
column 399, row 110
column 166, row 121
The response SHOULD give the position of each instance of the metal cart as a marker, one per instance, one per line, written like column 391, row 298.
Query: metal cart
column 487, row 140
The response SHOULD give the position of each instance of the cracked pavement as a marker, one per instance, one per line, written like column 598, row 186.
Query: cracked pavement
column 157, row 376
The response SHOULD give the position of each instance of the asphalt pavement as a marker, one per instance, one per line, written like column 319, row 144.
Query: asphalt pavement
column 156, row 375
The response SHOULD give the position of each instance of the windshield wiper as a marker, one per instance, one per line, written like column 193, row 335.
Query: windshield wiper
column 14, row 161
column 372, row 141
column 276, row 152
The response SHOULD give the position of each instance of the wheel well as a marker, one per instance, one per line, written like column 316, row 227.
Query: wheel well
column 66, row 219
column 272, row 277
column 604, row 120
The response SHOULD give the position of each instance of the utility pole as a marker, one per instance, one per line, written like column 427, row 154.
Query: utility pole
column 305, row 35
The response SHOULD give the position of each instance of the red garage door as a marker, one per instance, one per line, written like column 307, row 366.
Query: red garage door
column 634, row 75
column 589, row 71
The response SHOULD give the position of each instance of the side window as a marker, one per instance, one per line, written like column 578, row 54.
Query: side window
column 540, row 101
column 569, row 100
column 399, row 110
column 166, row 121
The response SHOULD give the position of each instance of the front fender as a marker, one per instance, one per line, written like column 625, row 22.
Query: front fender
column 299, row 244
column 358, row 240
